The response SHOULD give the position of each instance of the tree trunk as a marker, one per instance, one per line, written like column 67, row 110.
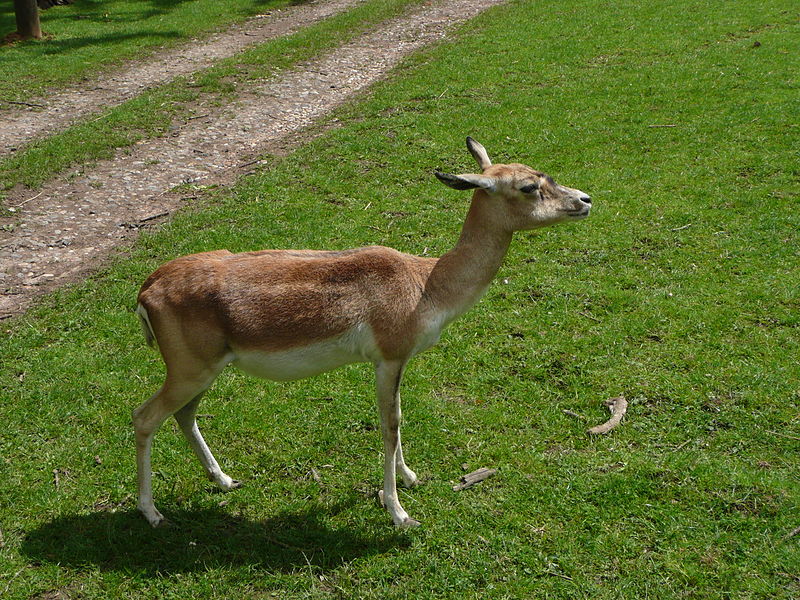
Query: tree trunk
column 27, row 19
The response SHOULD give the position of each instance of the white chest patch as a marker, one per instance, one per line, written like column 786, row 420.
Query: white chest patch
column 432, row 331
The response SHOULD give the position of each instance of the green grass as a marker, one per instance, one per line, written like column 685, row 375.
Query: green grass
column 91, row 35
column 680, row 292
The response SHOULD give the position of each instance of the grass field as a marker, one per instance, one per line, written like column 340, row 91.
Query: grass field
column 680, row 292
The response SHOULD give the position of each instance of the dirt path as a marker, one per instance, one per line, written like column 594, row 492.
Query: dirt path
column 72, row 224
column 21, row 124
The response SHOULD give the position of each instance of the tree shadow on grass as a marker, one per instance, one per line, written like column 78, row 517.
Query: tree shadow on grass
column 58, row 46
column 201, row 539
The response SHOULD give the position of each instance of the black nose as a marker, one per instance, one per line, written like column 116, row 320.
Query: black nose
column 586, row 199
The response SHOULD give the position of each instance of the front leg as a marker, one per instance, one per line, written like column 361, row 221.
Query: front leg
column 387, row 377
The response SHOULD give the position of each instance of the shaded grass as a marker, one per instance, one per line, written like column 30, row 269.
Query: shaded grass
column 680, row 292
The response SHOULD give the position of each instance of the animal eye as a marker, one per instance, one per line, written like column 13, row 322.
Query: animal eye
column 529, row 189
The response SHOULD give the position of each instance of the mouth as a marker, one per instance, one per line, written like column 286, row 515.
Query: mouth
column 578, row 214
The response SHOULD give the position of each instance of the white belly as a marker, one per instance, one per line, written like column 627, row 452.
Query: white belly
column 305, row 361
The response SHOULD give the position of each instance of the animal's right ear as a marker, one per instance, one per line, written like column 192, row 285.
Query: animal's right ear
column 467, row 182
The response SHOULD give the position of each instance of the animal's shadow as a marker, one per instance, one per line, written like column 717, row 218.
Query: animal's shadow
column 202, row 539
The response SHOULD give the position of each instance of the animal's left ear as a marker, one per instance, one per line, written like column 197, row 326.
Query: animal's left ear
column 467, row 181
column 479, row 153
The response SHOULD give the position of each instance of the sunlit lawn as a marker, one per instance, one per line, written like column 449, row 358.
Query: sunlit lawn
column 680, row 292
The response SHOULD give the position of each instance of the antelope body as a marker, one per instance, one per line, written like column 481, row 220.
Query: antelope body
column 287, row 314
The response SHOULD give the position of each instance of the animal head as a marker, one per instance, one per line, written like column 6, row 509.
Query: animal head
column 521, row 197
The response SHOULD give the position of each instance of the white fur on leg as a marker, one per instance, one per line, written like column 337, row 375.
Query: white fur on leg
column 410, row 478
column 390, row 499
column 151, row 513
column 387, row 376
column 225, row 482
column 188, row 424
column 145, row 503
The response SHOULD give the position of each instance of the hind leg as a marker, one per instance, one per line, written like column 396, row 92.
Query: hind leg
column 186, row 418
column 409, row 477
column 180, row 388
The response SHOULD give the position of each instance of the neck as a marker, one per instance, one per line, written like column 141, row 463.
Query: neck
column 461, row 276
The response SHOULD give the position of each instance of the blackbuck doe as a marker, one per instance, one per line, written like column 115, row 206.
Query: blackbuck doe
column 289, row 314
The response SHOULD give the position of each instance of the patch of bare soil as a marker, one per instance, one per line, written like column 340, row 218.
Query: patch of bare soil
column 22, row 122
column 61, row 233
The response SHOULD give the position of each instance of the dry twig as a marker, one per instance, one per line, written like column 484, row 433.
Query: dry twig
column 315, row 476
column 153, row 217
column 571, row 413
column 792, row 533
column 31, row 104
column 470, row 479
column 784, row 435
column 24, row 202
column 618, row 406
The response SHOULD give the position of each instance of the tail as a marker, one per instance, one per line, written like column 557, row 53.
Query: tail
column 147, row 328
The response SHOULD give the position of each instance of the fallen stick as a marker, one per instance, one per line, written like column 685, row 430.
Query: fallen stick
column 247, row 164
column 153, row 217
column 783, row 435
column 24, row 202
column 571, row 413
column 618, row 406
column 470, row 479
column 31, row 104
column 792, row 533
column 315, row 476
